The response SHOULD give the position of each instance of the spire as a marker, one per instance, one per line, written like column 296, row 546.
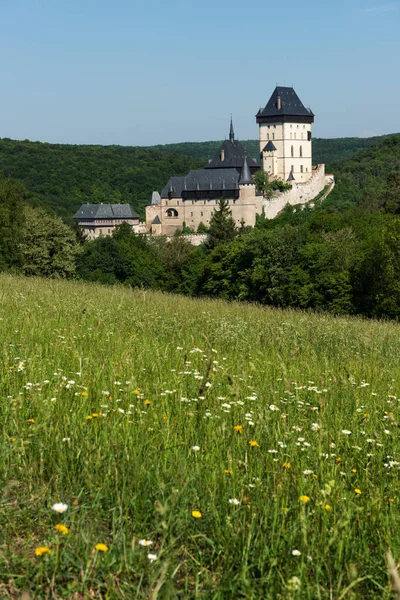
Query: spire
column 231, row 132
column 245, row 175
column 291, row 177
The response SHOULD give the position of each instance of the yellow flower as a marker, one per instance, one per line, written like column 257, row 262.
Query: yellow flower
column 338, row 459
column 89, row 417
column 101, row 547
column 286, row 465
column 196, row 514
column 147, row 402
column 94, row 415
column 12, row 368
column 327, row 507
column 357, row 491
column 136, row 392
column 228, row 471
column 253, row 443
column 238, row 428
column 314, row 476
column 164, row 417
column 85, row 393
column 42, row 550
column 284, row 509
column 354, row 470
column 390, row 500
column 61, row 528
column 31, row 420
column 304, row 499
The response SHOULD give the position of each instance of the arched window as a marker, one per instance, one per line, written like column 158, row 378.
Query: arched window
column 301, row 151
column 291, row 151
column 171, row 212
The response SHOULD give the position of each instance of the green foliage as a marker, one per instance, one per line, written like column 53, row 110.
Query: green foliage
column 263, row 184
column 12, row 196
column 202, row 228
column 49, row 247
column 60, row 177
column 222, row 227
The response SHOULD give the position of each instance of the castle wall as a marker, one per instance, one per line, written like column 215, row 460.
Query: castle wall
column 286, row 136
column 299, row 194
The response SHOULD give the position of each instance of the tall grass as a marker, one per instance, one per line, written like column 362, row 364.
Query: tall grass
column 138, row 408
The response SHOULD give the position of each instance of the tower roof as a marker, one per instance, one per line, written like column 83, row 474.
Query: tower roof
column 291, row 177
column 245, row 175
column 231, row 132
column 270, row 147
column 231, row 155
column 284, row 102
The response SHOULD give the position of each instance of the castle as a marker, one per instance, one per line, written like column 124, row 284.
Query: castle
column 285, row 134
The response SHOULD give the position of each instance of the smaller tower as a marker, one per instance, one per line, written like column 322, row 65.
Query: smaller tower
column 231, row 132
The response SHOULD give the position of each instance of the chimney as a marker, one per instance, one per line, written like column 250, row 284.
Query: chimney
column 222, row 154
column 278, row 103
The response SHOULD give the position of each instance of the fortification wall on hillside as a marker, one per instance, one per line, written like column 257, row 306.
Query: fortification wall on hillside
column 299, row 194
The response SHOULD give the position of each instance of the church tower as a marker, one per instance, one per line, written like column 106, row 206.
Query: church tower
column 285, row 127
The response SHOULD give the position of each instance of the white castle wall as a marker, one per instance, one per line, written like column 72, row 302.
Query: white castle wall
column 299, row 194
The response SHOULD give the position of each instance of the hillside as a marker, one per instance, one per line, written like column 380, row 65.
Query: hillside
column 197, row 448
column 59, row 177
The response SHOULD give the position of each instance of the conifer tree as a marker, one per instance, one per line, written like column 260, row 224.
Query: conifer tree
column 222, row 226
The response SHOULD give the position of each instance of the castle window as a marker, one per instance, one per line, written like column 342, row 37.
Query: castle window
column 191, row 214
column 291, row 151
column 301, row 168
column 267, row 136
column 171, row 212
column 201, row 214
column 292, row 168
column 301, row 151
column 273, row 136
column 177, row 202
column 290, row 136
column 291, row 126
column 309, row 135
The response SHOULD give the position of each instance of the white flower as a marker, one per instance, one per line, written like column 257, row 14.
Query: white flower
column 273, row 407
column 152, row 557
column 195, row 448
column 308, row 472
column 346, row 431
column 234, row 501
column 59, row 507
column 145, row 543
column 296, row 552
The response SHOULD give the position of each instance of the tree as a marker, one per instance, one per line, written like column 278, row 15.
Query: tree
column 222, row 226
column 49, row 247
column 12, row 196
column 263, row 184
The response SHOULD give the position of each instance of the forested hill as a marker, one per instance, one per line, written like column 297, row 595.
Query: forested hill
column 324, row 150
column 60, row 177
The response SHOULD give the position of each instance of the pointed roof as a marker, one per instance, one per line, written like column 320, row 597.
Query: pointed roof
column 156, row 220
column 291, row 177
column 270, row 147
column 245, row 175
column 284, row 102
column 231, row 132
column 155, row 198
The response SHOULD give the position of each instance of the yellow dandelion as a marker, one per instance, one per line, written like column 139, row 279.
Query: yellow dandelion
column 31, row 421
column 304, row 499
column 136, row 392
column 390, row 500
column 147, row 402
column 238, row 428
column 61, row 528
column 196, row 514
column 286, row 465
column 327, row 507
column 101, row 547
column 85, row 393
column 95, row 415
column 354, row 470
column 357, row 491
column 228, row 471
column 89, row 417
column 314, row 476
column 11, row 368
column 253, row 443
column 42, row 550
column 338, row 459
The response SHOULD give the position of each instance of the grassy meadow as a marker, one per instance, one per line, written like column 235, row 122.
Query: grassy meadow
column 208, row 450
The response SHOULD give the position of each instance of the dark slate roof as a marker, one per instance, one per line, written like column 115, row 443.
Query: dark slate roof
column 234, row 156
column 270, row 147
column 105, row 211
column 203, row 180
column 291, row 104
column 231, row 132
column 156, row 220
column 291, row 177
column 155, row 198
column 245, row 175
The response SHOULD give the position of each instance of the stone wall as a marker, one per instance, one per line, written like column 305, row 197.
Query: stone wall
column 299, row 194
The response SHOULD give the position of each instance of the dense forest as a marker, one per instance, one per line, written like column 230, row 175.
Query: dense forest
column 341, row 256
column 59, row 177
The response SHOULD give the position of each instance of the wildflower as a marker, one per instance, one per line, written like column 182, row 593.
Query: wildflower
column 238, row 428
column 338, row 459
column 31, row 421
column 101, row 547
column 273, row 407
column 195, row 448
column 296, row 552
column 346, row 431
column 196, row 514
column 136, row 392
column 42, row 550
column 253, row 443
column 390, row 500
column 354, row 470
column 228, row 471
column 85, row 393
column 234, row 501
column 307, row 472
column 59, row 507
column 284, row 509
column 145, row 543
column 152, row 557
column 327, row 507
column 89, row 417
column 357, row 491
column 304, row 499
column 147, row 402
column 286, row 465
column 61, row 528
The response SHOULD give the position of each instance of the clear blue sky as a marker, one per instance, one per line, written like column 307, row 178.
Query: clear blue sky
column 156, row 71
